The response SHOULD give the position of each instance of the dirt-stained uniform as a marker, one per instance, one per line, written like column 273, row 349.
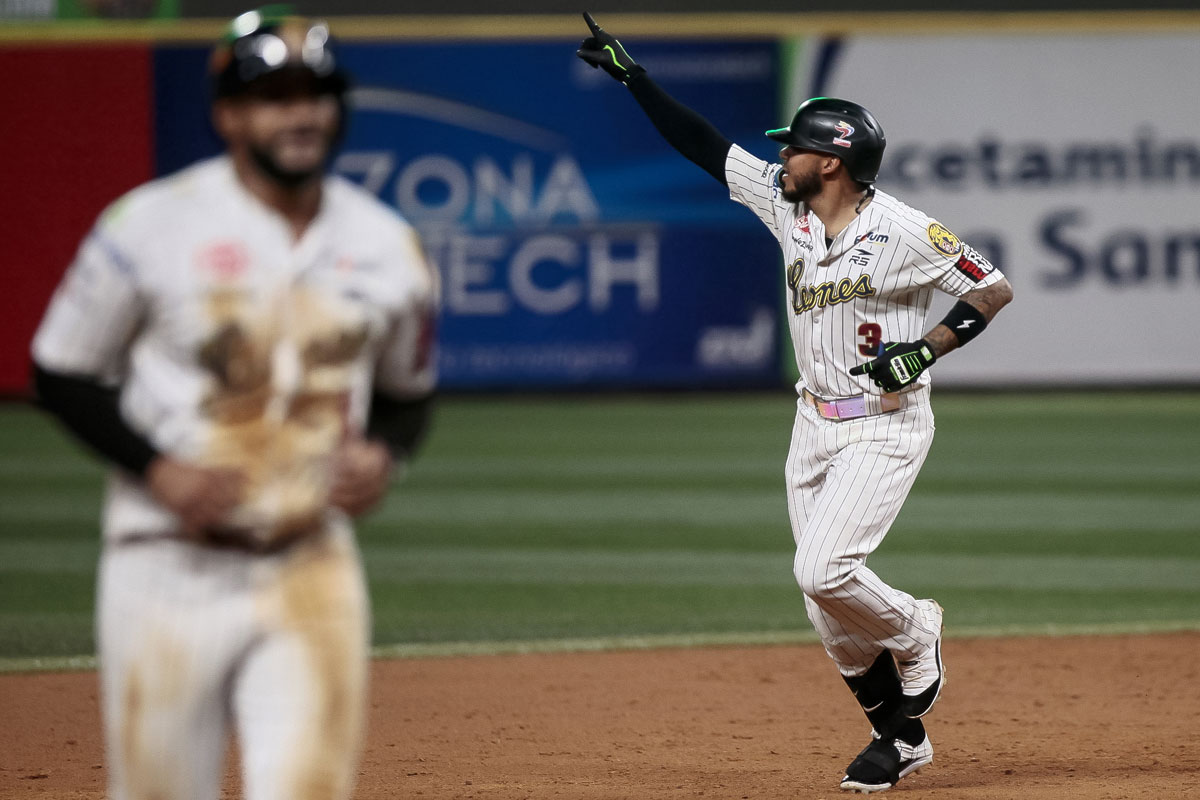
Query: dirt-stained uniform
column 231, row 344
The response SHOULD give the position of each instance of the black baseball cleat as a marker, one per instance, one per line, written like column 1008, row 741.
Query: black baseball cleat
column 883, row 762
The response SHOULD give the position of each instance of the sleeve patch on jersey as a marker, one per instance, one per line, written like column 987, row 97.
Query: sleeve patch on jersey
column 972, row 264
column 943, row 240
column 425, row 341
column 969, row 268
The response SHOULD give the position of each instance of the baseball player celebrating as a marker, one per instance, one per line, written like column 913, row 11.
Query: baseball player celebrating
column 861, row 269
column 248, row 343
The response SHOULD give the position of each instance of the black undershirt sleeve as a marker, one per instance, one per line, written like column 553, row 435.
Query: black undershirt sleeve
column 691, row 134
column 91, row 411
column 400, row 424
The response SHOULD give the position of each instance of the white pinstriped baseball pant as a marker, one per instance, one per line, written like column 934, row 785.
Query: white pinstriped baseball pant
column 846, row 483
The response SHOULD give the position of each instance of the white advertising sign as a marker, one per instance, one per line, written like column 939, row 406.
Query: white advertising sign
column 1074, row 163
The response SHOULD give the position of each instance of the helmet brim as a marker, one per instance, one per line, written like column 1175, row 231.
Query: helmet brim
column 294, row 80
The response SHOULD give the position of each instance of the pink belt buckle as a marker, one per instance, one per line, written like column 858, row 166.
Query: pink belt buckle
column 852, row 407
column 846, row 408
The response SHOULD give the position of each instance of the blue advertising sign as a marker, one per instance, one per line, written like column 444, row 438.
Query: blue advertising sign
column 575, row 247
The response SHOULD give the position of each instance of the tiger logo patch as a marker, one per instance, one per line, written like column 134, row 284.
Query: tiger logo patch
column 943, row 240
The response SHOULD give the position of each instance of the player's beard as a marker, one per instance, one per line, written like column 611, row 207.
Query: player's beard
column 805, row 186
column 267, row 157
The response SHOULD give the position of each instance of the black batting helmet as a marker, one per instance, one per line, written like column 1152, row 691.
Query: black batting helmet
column 271, row 47
column 840, row 128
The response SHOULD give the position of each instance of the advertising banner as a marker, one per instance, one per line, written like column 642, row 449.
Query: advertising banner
column 1073, row 162
column 59, row 173
column 575, row 247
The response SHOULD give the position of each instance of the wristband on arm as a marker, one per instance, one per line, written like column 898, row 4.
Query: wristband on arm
column 965, row 321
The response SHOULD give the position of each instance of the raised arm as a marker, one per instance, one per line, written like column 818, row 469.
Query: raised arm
column 685, row 130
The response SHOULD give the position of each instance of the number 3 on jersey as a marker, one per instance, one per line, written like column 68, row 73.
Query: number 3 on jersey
column 871, row 335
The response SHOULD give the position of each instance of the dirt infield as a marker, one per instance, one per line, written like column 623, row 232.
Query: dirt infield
column 1103, row 718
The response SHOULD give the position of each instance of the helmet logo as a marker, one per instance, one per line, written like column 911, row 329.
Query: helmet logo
column 846, row 131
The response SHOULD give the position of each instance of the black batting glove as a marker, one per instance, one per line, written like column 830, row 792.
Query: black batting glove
column 898, row 364
column 602, row 49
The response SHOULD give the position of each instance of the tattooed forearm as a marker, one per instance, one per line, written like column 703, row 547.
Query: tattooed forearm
column 941, row 340
column 988, row 300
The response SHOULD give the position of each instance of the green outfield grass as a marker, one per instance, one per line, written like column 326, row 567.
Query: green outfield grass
column 588, row 518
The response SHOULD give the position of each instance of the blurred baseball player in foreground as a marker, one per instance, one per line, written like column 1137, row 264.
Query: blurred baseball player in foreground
column 247, row 342
column 861, row 269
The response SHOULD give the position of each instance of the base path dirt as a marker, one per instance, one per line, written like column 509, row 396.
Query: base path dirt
column 1103, row 718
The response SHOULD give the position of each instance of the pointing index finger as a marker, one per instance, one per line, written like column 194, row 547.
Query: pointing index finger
column 591, row 23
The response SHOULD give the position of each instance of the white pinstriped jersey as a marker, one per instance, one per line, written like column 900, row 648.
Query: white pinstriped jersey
column 874, row 283
column 235, row 345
